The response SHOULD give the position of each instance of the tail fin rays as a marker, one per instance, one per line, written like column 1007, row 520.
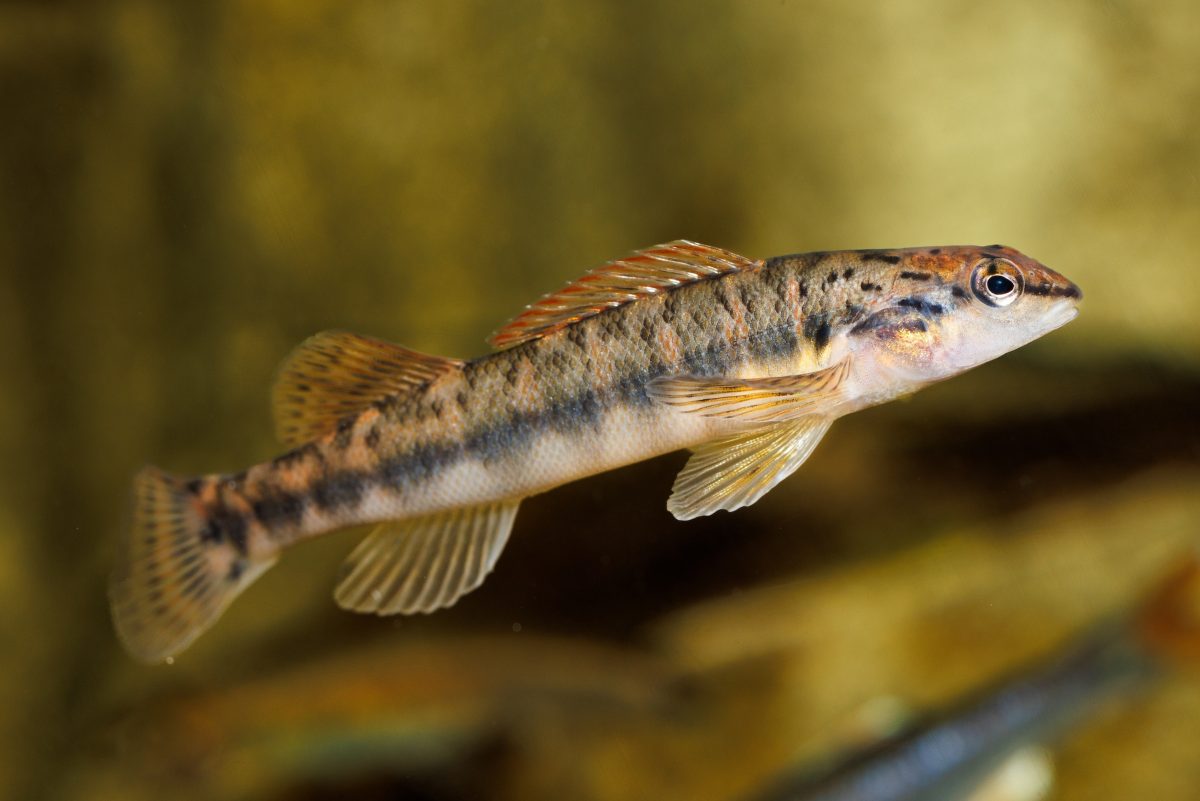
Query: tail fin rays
column 170, row 583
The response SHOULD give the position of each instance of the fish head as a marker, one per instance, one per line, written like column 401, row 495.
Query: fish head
column 951, row 309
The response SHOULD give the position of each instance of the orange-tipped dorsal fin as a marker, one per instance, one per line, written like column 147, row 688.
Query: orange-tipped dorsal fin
column 638, row 275
column 335, row 374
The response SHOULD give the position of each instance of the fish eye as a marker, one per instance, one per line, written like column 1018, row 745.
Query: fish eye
column 999, row 285
column 997, row 282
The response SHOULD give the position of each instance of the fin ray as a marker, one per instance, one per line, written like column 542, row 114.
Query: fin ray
column 426, row 563
column 638, row 275
column 756, row 400
column 170, row 584
column 736, row 471
column 335, row 374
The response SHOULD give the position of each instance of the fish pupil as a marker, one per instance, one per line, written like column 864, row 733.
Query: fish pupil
column 1000, row 285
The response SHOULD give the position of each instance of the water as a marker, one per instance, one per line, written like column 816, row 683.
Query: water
column 190, row 190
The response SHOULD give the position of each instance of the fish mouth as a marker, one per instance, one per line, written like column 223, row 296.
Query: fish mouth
column 1061, row 313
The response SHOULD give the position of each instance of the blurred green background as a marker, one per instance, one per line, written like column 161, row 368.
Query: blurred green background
column 189, row 189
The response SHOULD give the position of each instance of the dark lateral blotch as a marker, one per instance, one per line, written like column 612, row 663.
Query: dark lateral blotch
column 372, row 438
column 277, row 508
column 817, row 330
column 914, row 275
column 925, row 307
column 339, row 489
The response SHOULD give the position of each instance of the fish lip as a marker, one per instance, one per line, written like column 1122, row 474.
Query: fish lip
column 1062, row 313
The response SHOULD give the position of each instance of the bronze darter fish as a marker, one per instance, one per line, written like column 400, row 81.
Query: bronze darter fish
column 746, row 362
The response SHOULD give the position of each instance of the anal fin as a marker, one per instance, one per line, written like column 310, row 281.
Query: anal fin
column 426, row 563
column 736, row 471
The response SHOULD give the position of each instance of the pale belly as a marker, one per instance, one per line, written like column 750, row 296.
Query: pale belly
column 623, row 436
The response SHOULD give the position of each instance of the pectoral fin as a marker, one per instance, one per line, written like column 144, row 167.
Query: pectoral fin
column 426, row 563
column 756, row 400
column 736, row 471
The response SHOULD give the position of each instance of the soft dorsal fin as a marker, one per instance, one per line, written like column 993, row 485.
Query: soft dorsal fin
column 638, row 275
column 335, row 374
column 426, row 563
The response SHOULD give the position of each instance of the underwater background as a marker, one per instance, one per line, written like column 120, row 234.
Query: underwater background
column 187, row 190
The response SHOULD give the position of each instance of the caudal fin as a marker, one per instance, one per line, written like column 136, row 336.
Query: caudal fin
column 173, row 578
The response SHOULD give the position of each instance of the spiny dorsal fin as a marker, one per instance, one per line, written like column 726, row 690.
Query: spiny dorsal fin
column 335, row 374
column 427, row 563
column 616, row 283
column 736, row 471
column 756, row 400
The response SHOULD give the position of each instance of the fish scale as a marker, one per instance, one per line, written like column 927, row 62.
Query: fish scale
column 746, row 362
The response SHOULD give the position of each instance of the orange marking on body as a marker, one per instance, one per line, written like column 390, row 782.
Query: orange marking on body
column 740, row 329
column 527, row 394
column 792, row 296
column 669, row 344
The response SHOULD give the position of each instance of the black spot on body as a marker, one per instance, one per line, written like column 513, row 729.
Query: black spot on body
column 925, row 307
column 875, row 255
column 419, row 464
column 817, row 330
column 211, row 533
column 891, row 320
column 345, row 433
column 339, row 489
column 913, row 275
column 279, row 508
column 958, row 292
column 225, row 525
column 935, row 251
column 867, row 286
column 1047, row 289
column 372, row 438
column 848, row 274
column 831, row 278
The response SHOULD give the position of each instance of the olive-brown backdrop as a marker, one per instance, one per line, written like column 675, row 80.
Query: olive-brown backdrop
column 188, row 189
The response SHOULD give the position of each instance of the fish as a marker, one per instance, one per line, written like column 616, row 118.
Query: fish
column 952, row 753
column 746, row 362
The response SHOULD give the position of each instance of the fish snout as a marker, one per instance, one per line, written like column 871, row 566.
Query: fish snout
column 1041, row 280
